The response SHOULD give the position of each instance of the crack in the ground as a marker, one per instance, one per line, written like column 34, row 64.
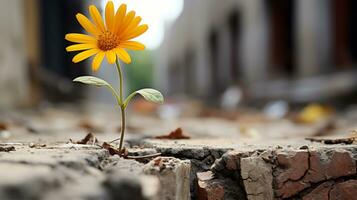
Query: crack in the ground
column 301, row 178
column 313, row 186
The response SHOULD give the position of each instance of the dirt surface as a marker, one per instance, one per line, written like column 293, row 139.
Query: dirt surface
column 209, row 158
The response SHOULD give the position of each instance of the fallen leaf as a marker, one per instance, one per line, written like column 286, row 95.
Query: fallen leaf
column 7, row 149
column 114, row 151
column 3, row 126
column 348, row 140
column 314, row 113
column 88, row 139
column 174, row 135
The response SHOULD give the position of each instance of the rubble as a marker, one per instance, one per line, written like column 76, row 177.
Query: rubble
column 227, row 165
column 173, row 175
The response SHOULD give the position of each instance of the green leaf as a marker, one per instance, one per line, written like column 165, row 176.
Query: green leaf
column 91, row 80
column 149, row 94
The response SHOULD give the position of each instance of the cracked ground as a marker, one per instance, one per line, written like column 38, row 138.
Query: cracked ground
column 244, row 157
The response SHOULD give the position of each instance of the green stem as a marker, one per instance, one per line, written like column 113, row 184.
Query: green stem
column 120, row 73
column 122, row 107
column 122, row 129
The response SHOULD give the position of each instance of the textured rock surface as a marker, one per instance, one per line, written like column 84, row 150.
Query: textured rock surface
column 174, row 177
column 299, row 170
column 66, row 171
column 69, row 171
column 245, row 158
column 257, row 178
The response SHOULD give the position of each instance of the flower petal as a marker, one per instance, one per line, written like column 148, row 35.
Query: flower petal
column 123, row 55
column 119, row 16
column 138, row 31
column 97, row 18
column 80, row 47
column 127, row 20
column 97, row 61
column 80, row 38
column 132, row 45
column 84, row 55
column 132, row 26
column 87, row 24
column 111, row 58
column 109, row 15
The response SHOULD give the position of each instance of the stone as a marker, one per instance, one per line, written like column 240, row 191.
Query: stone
column 232, row 160
column 208, row 188
column 126, row 186
column 229, row 163
column 331, row 164
column 294, row 165
column 257, row 178
column 298, row 170
column 173, row 175
column 334, row 191
column 19, row 181
column 322, row 192
column 344, row 190
column 125, row 176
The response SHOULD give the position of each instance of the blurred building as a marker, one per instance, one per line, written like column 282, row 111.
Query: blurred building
column 34, row 65
column 13, row 76
column 298, row 50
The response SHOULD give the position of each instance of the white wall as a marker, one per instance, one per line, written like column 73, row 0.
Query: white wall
column 13, row 72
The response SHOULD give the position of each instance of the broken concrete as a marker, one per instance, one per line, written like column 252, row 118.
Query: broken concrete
column 174, row 177
column 257, row 178
column 37, row 163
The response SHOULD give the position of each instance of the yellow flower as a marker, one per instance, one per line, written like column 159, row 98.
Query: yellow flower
column 108, row 40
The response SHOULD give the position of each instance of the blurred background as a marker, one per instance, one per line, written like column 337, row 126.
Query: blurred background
column 269, row 55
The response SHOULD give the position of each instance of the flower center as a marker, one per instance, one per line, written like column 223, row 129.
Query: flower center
column 108, row 41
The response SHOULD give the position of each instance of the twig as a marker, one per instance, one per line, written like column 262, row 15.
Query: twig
column 114, row 141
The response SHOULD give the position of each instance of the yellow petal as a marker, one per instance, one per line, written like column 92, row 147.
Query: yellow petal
column 109, row 15
column 123, row 55
column 97, row 61
column 111, row 57
column 97, row 18
column 132, row 26
column 127, row 20
column 132, row 45
column 87, row 24
column 80, row 38
column 119, row 16
column 138, row 31
column 80, row 47
column 84, row 55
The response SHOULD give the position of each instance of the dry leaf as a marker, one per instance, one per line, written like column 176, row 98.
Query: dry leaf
column 174, row 135
column 314, row 113
column 114, row 151
column 348, row 140
column 88, row 139
column 3, row 126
